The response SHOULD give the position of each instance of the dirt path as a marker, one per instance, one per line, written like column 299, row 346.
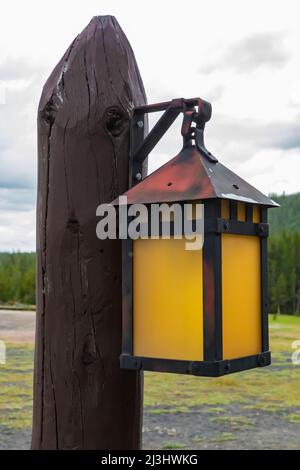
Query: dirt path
column 233, row 428
column 200, row 430
column 17, row 326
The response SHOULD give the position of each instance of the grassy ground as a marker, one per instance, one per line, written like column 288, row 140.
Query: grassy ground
column 271, row 388
column 16, row 387
column 240, row 405
column 18, row 306
column 254, row 409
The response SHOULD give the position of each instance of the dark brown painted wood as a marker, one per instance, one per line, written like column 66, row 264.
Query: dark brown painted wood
column 127, row 296
column 264, row 283
column 212, row 285
column 82, row 399
column 233, row 210
column 249, row 213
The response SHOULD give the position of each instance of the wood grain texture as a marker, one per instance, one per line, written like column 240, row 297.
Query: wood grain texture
column 82, row 400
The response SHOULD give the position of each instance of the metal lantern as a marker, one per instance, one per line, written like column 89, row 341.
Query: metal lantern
column 201, row 312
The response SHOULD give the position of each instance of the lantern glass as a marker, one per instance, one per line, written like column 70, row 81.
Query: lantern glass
column 167, row 300
column 241, row 296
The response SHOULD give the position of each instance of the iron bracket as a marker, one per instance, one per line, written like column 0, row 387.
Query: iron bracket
column 141, row 145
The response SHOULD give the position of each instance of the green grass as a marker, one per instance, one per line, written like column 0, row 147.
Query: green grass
column 224, row 437
column 16, row 387
column 173, row 445
column 268, row 389
column 237, row 423
column 18, row 306
column 294, row 417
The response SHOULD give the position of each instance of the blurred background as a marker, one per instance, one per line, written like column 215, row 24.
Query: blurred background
column 244, row 58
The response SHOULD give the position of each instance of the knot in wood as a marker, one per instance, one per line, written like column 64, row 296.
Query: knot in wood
column 73, row 225
column 115, row 120
column 48, row 112
column 88, row 353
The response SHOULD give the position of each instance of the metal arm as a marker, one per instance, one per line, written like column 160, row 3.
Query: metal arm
column 142, row 145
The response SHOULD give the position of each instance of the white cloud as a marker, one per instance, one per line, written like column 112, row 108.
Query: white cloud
column 17, row 219
column 280, row 167
column 261, row 49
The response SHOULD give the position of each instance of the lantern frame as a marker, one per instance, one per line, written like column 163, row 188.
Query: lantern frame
column 213, row 364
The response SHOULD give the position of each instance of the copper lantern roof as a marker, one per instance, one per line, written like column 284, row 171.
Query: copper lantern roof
column 192, row 176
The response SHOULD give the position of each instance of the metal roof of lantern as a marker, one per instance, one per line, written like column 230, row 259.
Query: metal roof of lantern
column 194, row 174
column 190, row 176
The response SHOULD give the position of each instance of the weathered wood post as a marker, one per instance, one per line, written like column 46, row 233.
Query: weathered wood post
column 82, row 399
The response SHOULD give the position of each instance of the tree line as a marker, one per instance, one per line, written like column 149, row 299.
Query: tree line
column 284, row 254
column 17, row 278
column 17, row 270
column 284, row 272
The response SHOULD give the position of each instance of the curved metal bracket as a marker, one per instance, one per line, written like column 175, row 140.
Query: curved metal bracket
column 141, row 145
column 190, row 133
column 199, row 140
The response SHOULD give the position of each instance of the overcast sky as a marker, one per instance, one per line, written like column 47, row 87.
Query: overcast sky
column 242, row 56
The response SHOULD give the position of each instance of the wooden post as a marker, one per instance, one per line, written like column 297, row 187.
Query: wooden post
column 82, row 400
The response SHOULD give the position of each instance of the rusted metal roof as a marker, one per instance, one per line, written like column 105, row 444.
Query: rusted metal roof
column 191, row 176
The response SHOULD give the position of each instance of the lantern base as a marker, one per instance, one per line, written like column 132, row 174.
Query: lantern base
column 198, row 368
